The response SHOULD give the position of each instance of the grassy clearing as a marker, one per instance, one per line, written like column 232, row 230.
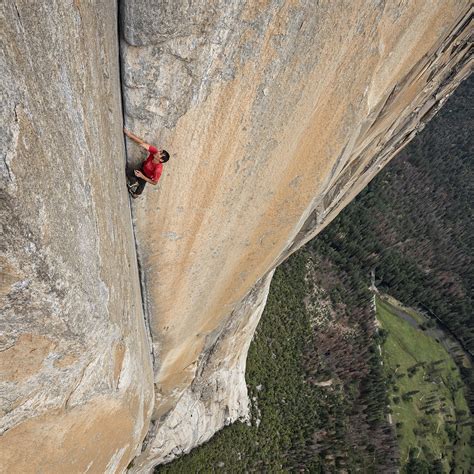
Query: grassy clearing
column 427, row 398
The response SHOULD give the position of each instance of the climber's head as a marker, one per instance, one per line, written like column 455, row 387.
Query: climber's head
column 164, row 156
column 161, row 157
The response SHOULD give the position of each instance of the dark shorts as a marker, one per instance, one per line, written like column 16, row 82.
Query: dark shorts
column 136, row 185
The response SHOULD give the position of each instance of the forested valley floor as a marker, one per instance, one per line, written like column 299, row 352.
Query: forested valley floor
column 321, row 396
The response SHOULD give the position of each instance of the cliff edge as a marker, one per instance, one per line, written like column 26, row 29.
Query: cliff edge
column 276, row 114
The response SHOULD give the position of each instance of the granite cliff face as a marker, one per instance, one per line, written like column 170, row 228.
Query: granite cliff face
column 276, row 113
column 75, row 365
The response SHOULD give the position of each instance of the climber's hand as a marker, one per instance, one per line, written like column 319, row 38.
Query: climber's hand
column 138, row 173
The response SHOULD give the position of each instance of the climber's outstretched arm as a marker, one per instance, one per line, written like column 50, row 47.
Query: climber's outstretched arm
column 136, row 139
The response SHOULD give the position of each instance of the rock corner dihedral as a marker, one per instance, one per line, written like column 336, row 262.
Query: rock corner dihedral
column 75, row 368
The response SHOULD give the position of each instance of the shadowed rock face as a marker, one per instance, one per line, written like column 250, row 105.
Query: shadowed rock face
column 276, row 113
column 75, row 369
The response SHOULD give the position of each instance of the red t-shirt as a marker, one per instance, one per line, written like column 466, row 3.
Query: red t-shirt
column 150, row 169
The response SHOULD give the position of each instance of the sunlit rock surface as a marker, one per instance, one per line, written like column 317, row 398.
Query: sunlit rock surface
column 75, row 367
column 276, row 113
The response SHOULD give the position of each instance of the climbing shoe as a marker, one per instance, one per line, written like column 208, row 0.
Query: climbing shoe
column 132, row 187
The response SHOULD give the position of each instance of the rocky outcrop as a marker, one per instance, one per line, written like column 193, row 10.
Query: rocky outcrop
column 75, row 366
column 218, row 394
column 276, row 114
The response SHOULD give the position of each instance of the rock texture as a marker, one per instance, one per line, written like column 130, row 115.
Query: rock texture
column 276, row 113
column 218, row 394
column 75, row 368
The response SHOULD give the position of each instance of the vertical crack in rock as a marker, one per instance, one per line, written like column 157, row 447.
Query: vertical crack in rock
column 141, row 272
column 75, row 365
column 151, row 432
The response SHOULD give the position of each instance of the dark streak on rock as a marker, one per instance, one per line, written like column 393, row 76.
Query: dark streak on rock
column 18, row 14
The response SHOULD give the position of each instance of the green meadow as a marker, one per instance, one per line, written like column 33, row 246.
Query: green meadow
column 427, row 397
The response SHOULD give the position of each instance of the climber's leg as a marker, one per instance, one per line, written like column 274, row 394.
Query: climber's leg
column 135, row 185
column 140, row 187
column 132, row 183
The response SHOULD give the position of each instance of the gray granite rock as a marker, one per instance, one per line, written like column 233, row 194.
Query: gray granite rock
column 75, row 366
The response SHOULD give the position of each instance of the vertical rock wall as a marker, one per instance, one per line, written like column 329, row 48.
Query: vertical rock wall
column 276, row 113
column 75, row 369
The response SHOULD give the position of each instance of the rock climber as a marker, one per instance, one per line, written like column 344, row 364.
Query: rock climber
column 151, row 169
